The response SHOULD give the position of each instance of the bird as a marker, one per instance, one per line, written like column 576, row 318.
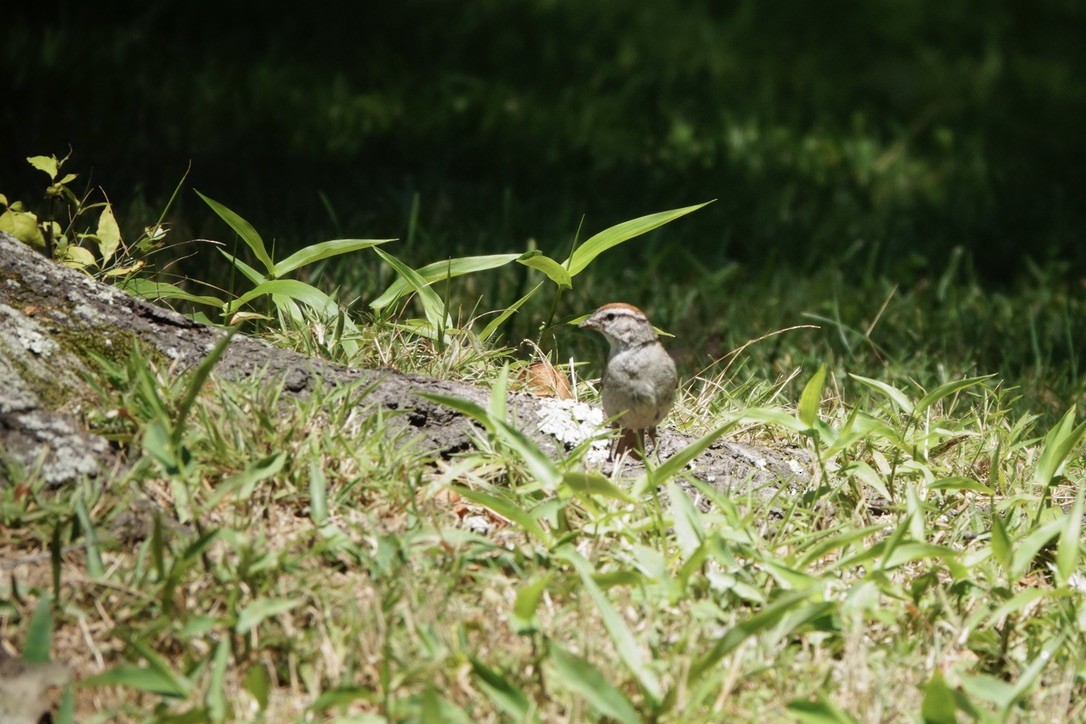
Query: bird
column 639, row 380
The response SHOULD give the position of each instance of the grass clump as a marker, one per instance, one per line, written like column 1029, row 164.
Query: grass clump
column 267, row 556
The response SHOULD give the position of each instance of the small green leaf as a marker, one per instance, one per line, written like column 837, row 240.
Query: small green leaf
column 23, row 225
column 109, row 234
column 48, row 164
column 554, row 271
column 75, row 257
column 811, row 398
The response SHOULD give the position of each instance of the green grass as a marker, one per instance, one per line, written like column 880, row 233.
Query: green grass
column 291, row 559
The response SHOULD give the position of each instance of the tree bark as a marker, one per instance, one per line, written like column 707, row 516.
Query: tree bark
column 52, row 318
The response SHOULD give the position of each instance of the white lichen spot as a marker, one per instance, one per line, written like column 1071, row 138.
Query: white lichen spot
column 34, row 341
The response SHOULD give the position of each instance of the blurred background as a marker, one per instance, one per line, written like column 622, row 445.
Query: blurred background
column 874, row 151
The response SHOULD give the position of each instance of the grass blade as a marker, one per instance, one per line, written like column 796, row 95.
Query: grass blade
column 625, row 644
column 811, row 398
column 584, row 255
column 580, row 676
column 323, row 250
column 244, row 229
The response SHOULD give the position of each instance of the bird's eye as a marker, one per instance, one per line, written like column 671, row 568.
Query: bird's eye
column 610, row 316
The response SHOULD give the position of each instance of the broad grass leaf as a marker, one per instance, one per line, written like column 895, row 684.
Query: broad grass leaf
column 323, row 250
column 318, row 493
column 689, row 531
column 1020, row 601
column 959, row 483
column 94, row 553
column 148, row 679
column 524, row 619
column 1031, row 545
column 539, row 463
column 255, row 613
column 292, row 289
column 585, row 485
column 898, row 397
column 867, row 475
column 833, row 543
column 819, row 711
column 678, row 462
column 1028, row 677
column 621, row 636
column 39, row 633
column 1001, row 544
column 492, row 327
column 578, row 675
column 150, row 289
column 503, row 693
column 258, row 683
column 811, row 397
column 251, row 274
column 506, row 509
column 772, row 417
column 938, row 706
column 768, row 617
column 948, row 389
column 1067, row 551
column 217, row 707
column 554, row 271
column 586, row 253
column 431, row 302
column 441, row 270
column 245, row 230
column 1058, row 444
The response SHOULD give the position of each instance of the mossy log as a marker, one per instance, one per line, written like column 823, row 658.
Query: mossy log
column 53, row 318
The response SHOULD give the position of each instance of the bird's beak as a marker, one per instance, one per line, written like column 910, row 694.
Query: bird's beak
column 589, row 323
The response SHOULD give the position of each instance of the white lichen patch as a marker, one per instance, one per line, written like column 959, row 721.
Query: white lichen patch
column 571, row 422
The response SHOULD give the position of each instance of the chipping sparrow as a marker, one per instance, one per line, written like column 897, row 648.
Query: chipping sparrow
column 639, row 380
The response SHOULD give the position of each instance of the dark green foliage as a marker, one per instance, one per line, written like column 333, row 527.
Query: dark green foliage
column 906, row 127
